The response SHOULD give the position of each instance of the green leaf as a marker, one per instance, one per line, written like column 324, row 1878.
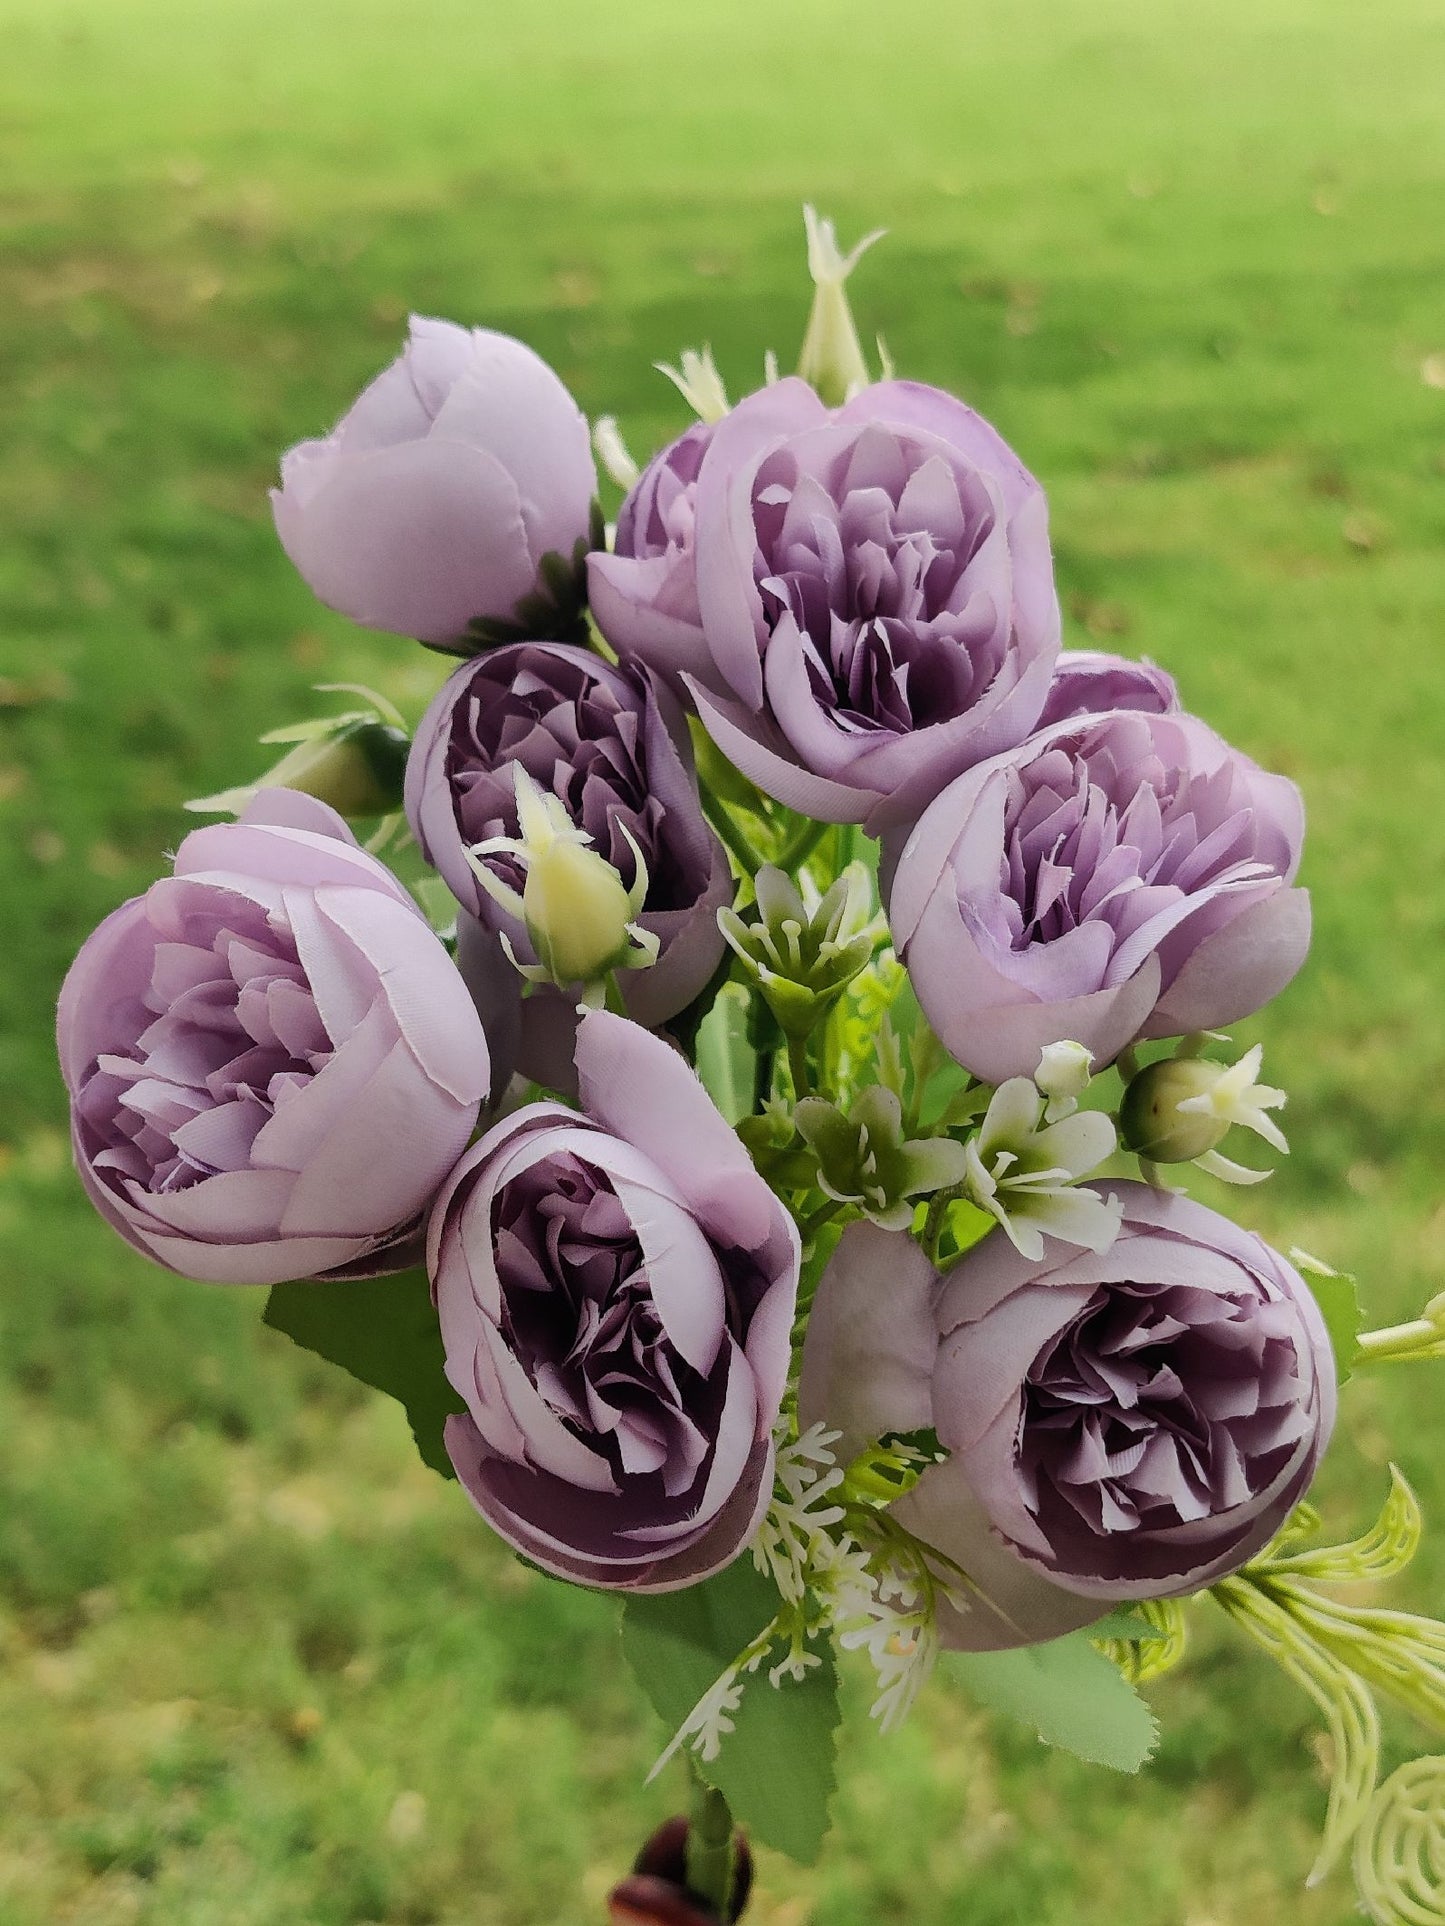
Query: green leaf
column 384, row 1331
column 1071, row 1695
column 1339, row 1301
column 776, row 1766
column 1125, row 1625
column 724, row 1058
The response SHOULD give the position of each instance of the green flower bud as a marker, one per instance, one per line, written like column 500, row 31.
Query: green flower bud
column 802, row 961
column 832, row 357
column 579, row 917
column 577, row 913
column 356, row 762
column 864, row 1160
column 1179, row 1110
column 1151, row 1122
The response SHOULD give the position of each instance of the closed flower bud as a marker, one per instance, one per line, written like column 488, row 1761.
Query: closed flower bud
column 577, row 912
column 1179, row 1110
column 453, row 500
column 1151, row 1122
column 832, row 357
column 1063, row 1077
column 657, row 1891
column 579, row 918
column 354, row 762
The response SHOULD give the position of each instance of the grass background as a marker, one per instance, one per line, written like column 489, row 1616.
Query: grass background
column 256, row 1665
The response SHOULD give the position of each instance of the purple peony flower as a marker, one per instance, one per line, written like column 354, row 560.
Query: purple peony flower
column 272, row 1062
column 615, row 751
column 1119, row 876
column 432, row 504
column 616, row 1292
column 1133, row 1424
column 860, row 600
column 1087, row 682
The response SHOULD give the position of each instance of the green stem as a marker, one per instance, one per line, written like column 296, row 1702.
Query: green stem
column 1422, row 1337
column 727, row 827
column 711, row 1848
column 816, row 1219
column 801, row 845
column 937, row 1218
column 614, row 994
column 798, row 1064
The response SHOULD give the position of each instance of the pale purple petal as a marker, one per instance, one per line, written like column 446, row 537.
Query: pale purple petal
column 271, row 1061
column 871, row 1339
column 435, row 499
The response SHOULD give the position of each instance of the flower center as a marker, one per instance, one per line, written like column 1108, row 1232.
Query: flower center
column 869, row 565
column 1158, row 1406
column 577, row 740
column 1106, row 832
column 226, row 1031
column 578, row 1312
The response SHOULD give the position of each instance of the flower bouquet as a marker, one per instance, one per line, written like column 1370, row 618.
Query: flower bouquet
column 736, row 1094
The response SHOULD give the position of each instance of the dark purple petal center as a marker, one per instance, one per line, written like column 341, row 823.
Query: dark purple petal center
column 577, row 738
column 578, row 1313
column 882, row 563
column 1157, row 1406
column 1106, row 832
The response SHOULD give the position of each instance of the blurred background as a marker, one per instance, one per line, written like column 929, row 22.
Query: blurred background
column 256, row 1664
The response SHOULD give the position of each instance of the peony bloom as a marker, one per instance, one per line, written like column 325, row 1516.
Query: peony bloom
column 616, row 1293
column 434, row 503
column 1087, row 682
column 1131, row 1424
column 272, row 1062
column 1119, row 876
column 1136, row 1424
column 860, row 600
column 615, row 751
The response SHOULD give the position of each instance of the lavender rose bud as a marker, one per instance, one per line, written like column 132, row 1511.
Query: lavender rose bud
column 873, row 587
column 615, row 751
column 1134, row 1424
column 1119, row 876
column 1087, row 682
column 434, row 502
column 616, row 1292
column 272, row 1062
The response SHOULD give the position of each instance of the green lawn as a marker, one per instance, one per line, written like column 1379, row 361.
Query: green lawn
column 256, row 1666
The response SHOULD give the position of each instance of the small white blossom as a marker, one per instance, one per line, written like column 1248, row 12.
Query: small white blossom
column 1063, row 1077
column 1236, row 1097
column 1027, row 1176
